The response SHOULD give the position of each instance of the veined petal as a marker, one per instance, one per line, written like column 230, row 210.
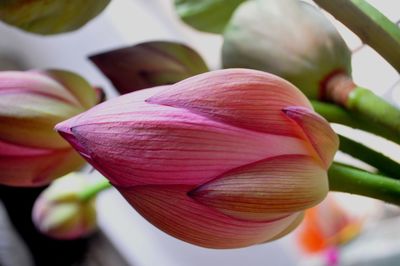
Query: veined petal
column 170, row 209
column 175, row 148
column 34, row 83
column 318, row 131
column 268, row 189
column 135, row 143
column 31, row 119
column 22, row 166
column 75, row 84
column 245, row 98
column 290, row 228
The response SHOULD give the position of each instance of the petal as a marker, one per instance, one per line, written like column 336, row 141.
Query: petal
column 22, row 166
column 29, row 119
column 245, row 98
column 76, row 85
column 31, row 82
column 318, row 131
column 149, row 64
column 171, row 210
column 299, row 219
column 268, row 189
column 175, row 149
column 135, row 143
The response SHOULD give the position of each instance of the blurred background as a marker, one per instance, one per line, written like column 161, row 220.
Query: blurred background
column 132, row 239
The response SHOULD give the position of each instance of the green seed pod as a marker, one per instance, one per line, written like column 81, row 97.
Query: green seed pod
column 291, row 39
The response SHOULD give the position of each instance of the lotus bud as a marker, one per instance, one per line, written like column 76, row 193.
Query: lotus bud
column 50, row 16
column 60, row 212
column 289, row 38
column 149, row 64
column 224, row 159
column 31, row 104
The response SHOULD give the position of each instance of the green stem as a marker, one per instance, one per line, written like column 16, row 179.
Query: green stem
column 369, row 24
column 344, row 178
column 336, row 114
column 378, row 160
column 92, row 190
column 377, row 110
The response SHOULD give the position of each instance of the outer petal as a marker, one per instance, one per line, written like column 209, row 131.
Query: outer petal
column 318, row 131
column 22, row 166
column 170, row 209
column 245, row 98
column 31, row 119
column 34, row 83
column 135, row 143
column 269, row 189
column 76, row 85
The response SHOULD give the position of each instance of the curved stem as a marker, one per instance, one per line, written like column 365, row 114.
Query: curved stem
column 92, row 190
column 379, row 111
column 336, row 114
column 340, row 89
column 376, row 159
column 355, row 181
column 369, row 24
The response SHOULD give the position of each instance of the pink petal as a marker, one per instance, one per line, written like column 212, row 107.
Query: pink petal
column 77, row 86
column 170, row 209
column 139, row 143
column 23, row 166
column 269, row 189
column 245, row 98
column 318, row 131
column 34, row 83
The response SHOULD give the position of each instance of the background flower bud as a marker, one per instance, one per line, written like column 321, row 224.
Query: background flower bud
column 59, row 212
column 50, row 16
column 289, row 38
column 327, row 225
column 224, row 159
column 149, row 64
column 31, row 103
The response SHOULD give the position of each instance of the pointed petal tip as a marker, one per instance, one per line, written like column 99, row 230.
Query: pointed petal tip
column 318, row 131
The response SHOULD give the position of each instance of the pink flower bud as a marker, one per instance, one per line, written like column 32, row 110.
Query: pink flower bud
column 224, row 159
column 31, row 104
column 59, row 212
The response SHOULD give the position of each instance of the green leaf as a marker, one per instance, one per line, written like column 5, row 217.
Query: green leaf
column 207, row 15
column 48, row 17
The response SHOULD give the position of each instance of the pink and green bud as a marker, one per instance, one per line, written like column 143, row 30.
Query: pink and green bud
column 224, row 159
column 289, row 38
column 149, row 64
column 31, row 104
column 50, row 16
column 60, row 211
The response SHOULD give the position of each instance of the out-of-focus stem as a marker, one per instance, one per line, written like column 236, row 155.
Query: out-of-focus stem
column 369, row 24
column 337, row 114
column 93, row 189
column 348, row 179
column 384, row 164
